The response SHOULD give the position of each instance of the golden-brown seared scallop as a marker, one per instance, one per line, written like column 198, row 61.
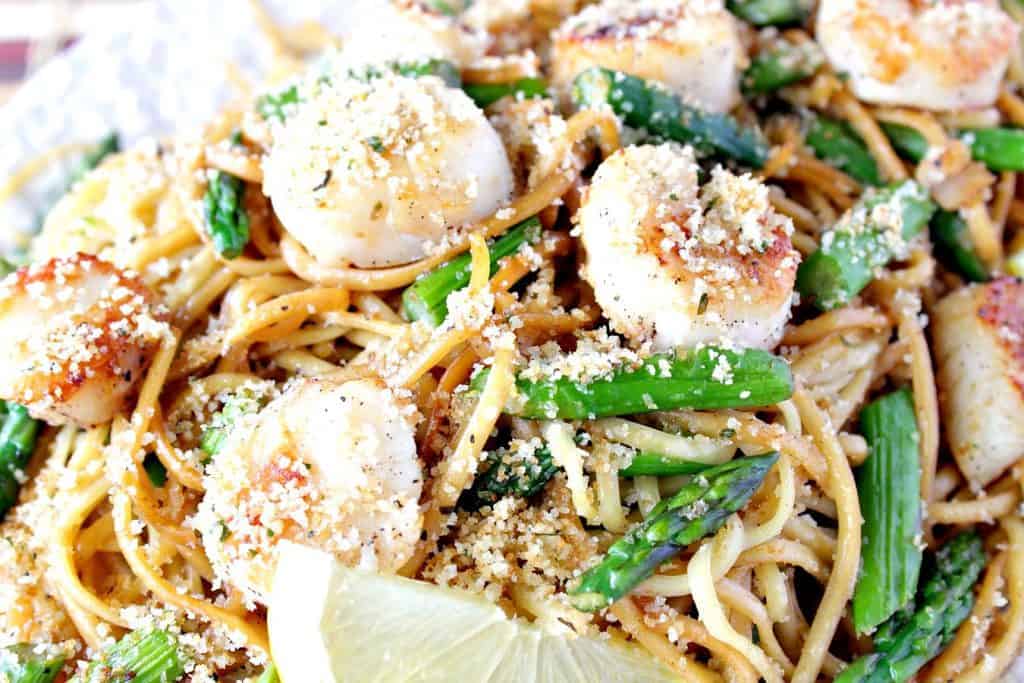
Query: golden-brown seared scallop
column 678, row 264
column 941, row 55
column 76, row 334
column 691, row 46
column 979, row 348
column 330, row 464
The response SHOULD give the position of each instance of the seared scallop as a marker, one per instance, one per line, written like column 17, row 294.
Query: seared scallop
column 940, row 55
column 332, row 465
column 76, row 334
column 374, row 173
column 678, row 264
column 691, row 46
column 979, row 349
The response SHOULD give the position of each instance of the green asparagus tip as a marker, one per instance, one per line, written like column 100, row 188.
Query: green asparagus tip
column 697, row 510
column 650, row 106
column 427, row 298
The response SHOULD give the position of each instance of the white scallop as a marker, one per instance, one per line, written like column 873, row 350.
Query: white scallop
column 76, row 334
column 691, row 46
column 333, row 465
column 679, row 265
column 939, row 55
column 978, row 333
column 372, row 174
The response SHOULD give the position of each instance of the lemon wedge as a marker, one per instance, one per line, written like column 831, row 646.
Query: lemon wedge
column 330, row 623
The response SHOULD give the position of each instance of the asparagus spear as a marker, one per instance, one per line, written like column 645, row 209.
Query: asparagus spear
column 646, row 464
column 17, row 441
column 782, row 64
column 954, row 248
column 889, row 486
column 665, row 381
column 226, row 218
column 648, row 105
column 837, row 144
column 865, row 238
column 910, row 639
column 906, row 141
column 427, row 298
column 139, row 657
column 699, row 509
column 522, row 473
column 1001, row 149
column 486, row 94
column 26, row 663
column 771, row 12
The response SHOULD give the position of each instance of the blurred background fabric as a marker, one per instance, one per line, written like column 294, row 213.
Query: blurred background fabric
column 33, row 31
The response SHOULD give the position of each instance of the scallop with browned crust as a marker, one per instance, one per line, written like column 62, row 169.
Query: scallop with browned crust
column 691, row 46
column 76, row 334
column 979, row 348
column 678, row 264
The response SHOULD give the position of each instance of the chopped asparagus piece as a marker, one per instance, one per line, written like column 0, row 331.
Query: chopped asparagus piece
column 521, row 473
column 659, row 465
column 155, row 470
column 649, row 105
column 486, row 94
column 837, row 144
column 906, row 141
column 226, row 219
column 954, row 248
column 699, row 509
column 216, row 433
column 27, row 663
column 427, row 298
column 664, row 381
column 139, row 657
column 17, row 442
column 889, row 487
column 864, row 239
column 1001, row 149
column 783, row 63
column 911, row 638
